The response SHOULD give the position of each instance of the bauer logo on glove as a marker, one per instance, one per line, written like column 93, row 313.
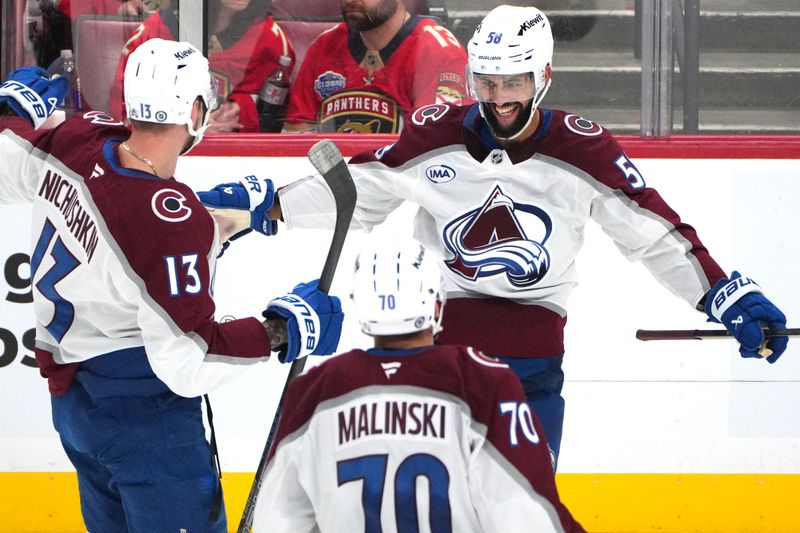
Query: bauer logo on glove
column 307, row 321
column 730, row 292
column 32, row 94
column 254, row 184
column 739, row 305
column 313, row 321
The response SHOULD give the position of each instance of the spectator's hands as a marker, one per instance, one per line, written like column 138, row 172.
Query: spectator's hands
column 132, row 8
column 225, row 118
column 313, row 321
column 739, row 305
column 241, row 207
column 32, row 94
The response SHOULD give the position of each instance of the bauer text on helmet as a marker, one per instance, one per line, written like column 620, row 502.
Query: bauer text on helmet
column 396, row 287
column 162, row 81
column 509, row 58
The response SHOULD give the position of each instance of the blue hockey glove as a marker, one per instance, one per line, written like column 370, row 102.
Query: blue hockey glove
column 739, row 305
column 32, row 94
column 314, row 321
column 250, row 194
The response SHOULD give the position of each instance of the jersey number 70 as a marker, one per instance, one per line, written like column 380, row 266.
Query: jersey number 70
column 372, row 470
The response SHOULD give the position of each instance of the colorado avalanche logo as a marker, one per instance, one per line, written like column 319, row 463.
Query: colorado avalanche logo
column 582, row 126
column 168, row 205
column 490, row 241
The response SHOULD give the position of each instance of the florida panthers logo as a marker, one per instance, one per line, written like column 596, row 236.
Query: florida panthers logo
column 492, row 241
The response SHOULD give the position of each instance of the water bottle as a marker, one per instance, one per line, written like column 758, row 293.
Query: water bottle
column 72, row 102
column 271, row 103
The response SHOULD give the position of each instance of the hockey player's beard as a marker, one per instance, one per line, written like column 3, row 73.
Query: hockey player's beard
column 507, row 132
column 359, row 19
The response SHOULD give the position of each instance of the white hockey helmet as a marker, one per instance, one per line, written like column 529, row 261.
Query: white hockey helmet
column 162, row 81
column 396, row 287
column 511, row 40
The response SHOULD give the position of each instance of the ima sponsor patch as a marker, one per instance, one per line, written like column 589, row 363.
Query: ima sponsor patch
column 440, row 173
column 359, row 112
column 450, row 89
column 328, row 83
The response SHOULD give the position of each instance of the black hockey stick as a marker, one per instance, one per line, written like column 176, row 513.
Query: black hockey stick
column 692, row 334
column 327, row 159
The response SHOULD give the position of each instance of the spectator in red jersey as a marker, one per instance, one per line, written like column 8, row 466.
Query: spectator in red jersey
column 244, row 48
column 365, row 74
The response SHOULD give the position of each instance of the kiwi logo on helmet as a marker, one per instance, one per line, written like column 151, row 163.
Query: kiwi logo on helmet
column 530, row 24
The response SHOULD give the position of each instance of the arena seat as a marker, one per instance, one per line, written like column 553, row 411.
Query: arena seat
column 301, row 34
column 306, row 10
column 98, row 44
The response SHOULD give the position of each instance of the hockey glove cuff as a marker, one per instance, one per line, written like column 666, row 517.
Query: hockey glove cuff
column 739, row 305
column 313, row 321
column 32, row 94
column 251, row 194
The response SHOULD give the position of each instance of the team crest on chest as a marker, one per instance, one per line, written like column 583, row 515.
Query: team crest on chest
column 500, row 238
column 359, row 112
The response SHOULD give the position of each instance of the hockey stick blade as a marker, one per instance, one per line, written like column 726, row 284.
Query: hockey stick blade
column 328, row 160
column 699, row 334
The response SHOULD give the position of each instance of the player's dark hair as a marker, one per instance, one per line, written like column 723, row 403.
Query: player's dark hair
column 152, row 127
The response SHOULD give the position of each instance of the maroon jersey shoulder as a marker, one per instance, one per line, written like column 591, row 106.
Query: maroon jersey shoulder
column 158, row 227
column 585, row 145
column 458, row 371
column 427, row 128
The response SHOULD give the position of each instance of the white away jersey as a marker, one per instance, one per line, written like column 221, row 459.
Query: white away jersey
column 120, row 259
column 509, row 222
column 436, row 439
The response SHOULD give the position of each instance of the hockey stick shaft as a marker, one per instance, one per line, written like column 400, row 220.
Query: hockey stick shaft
column 697, row 334
column 327, row 159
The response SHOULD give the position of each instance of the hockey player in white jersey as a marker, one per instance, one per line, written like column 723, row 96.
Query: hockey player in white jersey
column 408, row 436
column 506, row 189
column 122, row 262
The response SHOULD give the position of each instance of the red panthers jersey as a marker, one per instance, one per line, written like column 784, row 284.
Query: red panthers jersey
column 344, row 87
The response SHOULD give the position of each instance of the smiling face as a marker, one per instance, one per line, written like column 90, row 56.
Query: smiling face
column 506, row 101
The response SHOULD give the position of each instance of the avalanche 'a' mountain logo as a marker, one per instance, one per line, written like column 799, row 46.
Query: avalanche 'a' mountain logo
column 502, row 237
